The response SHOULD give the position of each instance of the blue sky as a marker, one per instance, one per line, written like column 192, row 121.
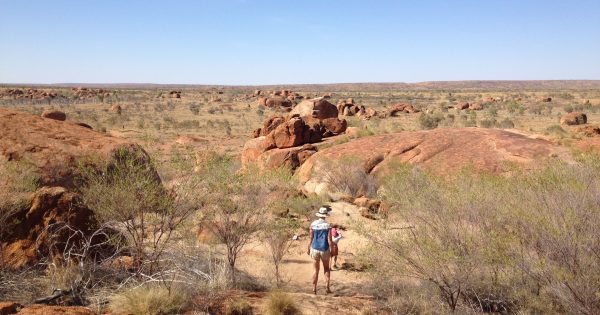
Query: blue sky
column 281, row 42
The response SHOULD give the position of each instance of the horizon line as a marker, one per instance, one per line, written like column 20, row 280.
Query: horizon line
column 71, row 84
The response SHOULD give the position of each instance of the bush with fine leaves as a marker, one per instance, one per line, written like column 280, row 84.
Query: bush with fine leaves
column 486, row 242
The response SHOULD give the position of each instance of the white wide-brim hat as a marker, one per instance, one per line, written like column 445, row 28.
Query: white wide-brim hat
column 323, row 212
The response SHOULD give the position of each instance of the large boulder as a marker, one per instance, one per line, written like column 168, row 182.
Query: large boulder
column 54, row 114
column 278, row 101
column 289, row 157
column 401, row 108
column 368, row 113
column 54, row 149
column 25, row 243
column 116, row 108
column 439, row 150
column 271, row 123
column 293, row 132
column 475, row 106
column 589, row 131
column 253, row 148
column 261, row 101
column 9, row 307
column 574, row 118
column 41, row 309
column 334, row 125
column 316, row 108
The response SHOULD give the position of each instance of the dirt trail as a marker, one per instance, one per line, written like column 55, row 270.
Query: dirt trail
column 349, row 295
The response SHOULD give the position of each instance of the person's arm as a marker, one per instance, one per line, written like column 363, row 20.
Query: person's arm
column 329, row 238
column 310, row 242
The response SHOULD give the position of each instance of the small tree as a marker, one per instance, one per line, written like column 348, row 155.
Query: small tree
column 279, row 240
column 128, row 195
column 236, row 201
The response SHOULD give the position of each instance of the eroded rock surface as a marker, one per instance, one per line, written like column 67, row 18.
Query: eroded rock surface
column 439, row 150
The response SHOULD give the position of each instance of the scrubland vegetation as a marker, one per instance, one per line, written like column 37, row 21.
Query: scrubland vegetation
column 467, row 243
column 526, row 243
column 141, row 257
column 172, row 228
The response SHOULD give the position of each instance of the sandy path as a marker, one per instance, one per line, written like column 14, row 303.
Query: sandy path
column 297, row 265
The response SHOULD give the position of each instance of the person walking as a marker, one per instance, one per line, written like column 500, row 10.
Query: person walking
column 336, row 236
column 319, row 247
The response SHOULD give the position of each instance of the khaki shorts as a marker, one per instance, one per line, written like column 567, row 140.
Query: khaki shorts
column 319, row 255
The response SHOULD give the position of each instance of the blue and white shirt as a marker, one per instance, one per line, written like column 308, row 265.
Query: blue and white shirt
column 320, row 230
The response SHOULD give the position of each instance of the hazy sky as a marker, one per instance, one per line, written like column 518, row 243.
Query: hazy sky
column 270, row 42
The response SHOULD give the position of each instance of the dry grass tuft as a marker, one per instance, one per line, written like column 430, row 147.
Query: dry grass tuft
column 238, row 307
column 149, row 300
column 280, row 303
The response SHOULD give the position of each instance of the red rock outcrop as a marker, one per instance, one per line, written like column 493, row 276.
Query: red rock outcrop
column 54, row 114
column 280, row 133
column 116, row 108
column 475, row 106
column 401, row 108
column 440, row 150
column 54, row 148
column 39, row 309
column 49, row 205
column 589, row 131
column 318, row 108
column 291, row 133
column 261, row 101
column 270, row 124
column 7, row 308
column 86, row 93
column 574, row 118
column 33, row 94
column 461, row 106
column 277, row 101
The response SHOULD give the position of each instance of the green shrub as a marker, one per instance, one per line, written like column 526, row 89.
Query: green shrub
column 487, row 123
column 536, row 109
column 512, row 107
column 427, row 121
column 555, row 129
column 506, row 124
column 490, row 243
column 127, row 194
column 195, row 109
column 568, row 109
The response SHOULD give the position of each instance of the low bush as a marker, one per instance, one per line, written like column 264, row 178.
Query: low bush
column 150, row 300
column 556, row 130
column 280, row 303
column 506, row 124
column 427, row 121
column 238, row 306
column 568, row 109
column 194, row 108
column 487, row 123
column 489, row 243
column 348, row 177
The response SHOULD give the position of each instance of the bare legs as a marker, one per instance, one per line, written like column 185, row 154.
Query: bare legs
column 326, row 270
column 315, row 276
